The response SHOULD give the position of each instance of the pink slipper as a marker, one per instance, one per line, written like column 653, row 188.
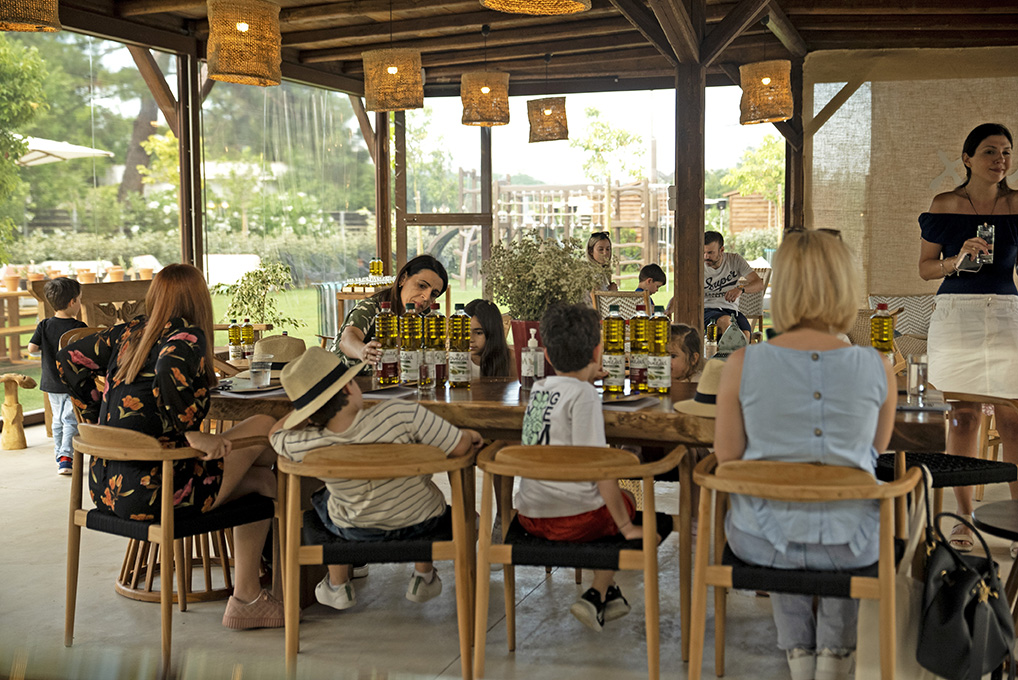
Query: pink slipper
column 265, row 612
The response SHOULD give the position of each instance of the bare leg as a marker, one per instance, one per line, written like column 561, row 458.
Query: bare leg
column 249, row 469
column 339, row 574
column 1007, row 426
column 962, row 440
column 248, row 541
column 424, row 567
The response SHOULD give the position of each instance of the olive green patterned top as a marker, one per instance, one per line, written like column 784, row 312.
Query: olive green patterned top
column 362, row 317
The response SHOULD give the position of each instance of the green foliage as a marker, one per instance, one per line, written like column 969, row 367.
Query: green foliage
column 611, row 152
column 529, row 275
column 761, row 170
column 165, row 165
column 751, row 243
column 249, row 297
column 713, row 184
column 432, row 184
column 119, row 249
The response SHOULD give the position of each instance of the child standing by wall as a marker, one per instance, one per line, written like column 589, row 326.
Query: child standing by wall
column 65, row 297
column 565, row 409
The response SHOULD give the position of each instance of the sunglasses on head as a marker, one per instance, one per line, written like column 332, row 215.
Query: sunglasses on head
column 796, row 230
column 599, row 234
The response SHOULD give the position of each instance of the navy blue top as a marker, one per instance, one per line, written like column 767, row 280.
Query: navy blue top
column 951, row 230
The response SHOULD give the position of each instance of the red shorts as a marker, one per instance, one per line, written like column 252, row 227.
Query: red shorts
column 588, row 526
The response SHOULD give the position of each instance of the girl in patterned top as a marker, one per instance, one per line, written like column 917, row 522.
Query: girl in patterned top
column 158, row 372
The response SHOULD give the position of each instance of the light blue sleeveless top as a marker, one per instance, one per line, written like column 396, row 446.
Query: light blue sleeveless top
column 811, row 407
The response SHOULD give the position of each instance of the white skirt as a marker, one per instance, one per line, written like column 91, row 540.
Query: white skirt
column 973, row 345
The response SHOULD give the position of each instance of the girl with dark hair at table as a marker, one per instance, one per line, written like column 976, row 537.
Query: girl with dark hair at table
column 158, row 371
column 420, row 281
column 599, row 254
column 973, row 336
column 489, row 353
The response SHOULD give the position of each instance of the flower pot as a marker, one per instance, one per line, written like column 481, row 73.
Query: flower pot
column 86, row 276
column 12, row 283
column 114, row 274
column 145, row 273
column 521, row 336
column 34, row 276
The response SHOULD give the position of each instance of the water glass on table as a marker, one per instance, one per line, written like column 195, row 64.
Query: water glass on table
column 261, row 370
column 916, row 367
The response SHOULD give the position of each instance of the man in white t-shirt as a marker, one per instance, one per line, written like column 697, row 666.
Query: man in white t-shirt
column 721, row 288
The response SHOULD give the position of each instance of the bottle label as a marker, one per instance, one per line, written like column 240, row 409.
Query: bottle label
column 410, row 366
column 615, row 365
column 659, row 372
column 248, row 351
column 459, row 367
column 539, row 365
column 388, row 365
column 236, row 352
column 638, row 369
column 527, row 359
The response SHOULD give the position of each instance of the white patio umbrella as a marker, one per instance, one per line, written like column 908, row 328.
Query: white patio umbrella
column 47, row 151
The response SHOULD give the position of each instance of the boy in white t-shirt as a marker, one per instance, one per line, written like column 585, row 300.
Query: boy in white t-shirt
column 329, row 410
column 566, row 409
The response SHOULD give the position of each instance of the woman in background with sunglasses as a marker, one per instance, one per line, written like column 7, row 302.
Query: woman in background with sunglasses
column 599, row 253
column 973, row 336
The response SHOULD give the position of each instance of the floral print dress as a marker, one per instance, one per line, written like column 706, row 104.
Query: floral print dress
column 167, row 398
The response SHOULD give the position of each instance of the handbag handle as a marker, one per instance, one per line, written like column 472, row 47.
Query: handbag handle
column 915, row 529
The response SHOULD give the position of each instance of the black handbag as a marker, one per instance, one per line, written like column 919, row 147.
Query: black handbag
column 965, row 627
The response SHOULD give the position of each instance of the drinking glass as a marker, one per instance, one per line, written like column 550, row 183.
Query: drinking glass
column 916, row 366
column 261, row 370
column 985, row 231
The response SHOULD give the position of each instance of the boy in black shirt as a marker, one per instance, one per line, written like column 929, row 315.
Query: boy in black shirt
column 65, row 296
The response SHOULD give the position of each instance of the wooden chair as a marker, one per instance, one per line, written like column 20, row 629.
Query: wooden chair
column 625, row 299
column 802, row 483
column 103, row 304
column 566, row 464
column 309, row 542
column 114, row 443
column 751, row 304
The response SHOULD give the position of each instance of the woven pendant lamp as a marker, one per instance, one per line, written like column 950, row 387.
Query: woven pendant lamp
column 543, row 7
column 547, row 116
column 485, row 96
column 244, row 42
column 392, row 80
column 766, row 92
column 29, row 15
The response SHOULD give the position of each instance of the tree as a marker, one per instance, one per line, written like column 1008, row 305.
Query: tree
column 611, row 152
column 433, row 186
column 761, row 170
column 22, row 73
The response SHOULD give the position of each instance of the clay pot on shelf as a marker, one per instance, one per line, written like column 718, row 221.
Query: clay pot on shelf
column 145, row 273
column 114, row 274
column 86, row 276
column 35, row 276
column 12, row 283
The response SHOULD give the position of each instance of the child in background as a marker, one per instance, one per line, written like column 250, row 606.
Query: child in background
column 687, row 353
column 64, row 295
column 362, row 510
column 652, row 277
column 565, row 409
column 489, row 353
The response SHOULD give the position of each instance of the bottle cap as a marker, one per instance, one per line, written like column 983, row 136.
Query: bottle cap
column 285, row 333
column 386, row 305
column 233, row 321
column 881, row 305
column 659, row 309
column 411, row 307
column 459, row 306
column 640, row 307
column 613, row 308
column 532, row 342
column 434, row 305
column 247, row 320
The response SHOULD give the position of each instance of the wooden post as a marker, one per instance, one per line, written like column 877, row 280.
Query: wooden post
column 690, row 82
column 794, row 178
column 383, row 225
column 192, row 249
column 399, row 193
column 486, row 203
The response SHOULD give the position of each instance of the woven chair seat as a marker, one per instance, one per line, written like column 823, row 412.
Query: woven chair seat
column 746, row 576
column 250, row 508
column 603, row 553
column 338, row 550
column 948, row 470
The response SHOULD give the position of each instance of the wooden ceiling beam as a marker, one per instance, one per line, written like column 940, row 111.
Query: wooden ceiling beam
column 647, row 24
column 933, row 22
column 779, row 24
column 549, row 32
column 156, row 82
column 555, row 48
column 722, row 35
column 683, row 37
column 590, row 62
column 875, row 40
column 294, row 16
column 135, row 8
column 912, row 7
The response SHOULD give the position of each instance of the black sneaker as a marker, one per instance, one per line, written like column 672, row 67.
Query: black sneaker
column 615, row 604
column 589, row 610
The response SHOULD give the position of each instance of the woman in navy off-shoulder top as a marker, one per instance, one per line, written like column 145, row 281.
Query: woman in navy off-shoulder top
column 973, row 337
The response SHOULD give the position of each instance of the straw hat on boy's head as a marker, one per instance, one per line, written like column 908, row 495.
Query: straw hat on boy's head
column 283, row 349
column 312, row 379
column 704, row 402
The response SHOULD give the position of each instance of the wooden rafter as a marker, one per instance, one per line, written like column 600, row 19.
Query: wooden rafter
column 913, row 7
column 744, row 14
column 294, row 16
column 646, row 23
column 678, row 27
column 778, row 24
column 134, row 8
column 365, row 123
column 156, row 83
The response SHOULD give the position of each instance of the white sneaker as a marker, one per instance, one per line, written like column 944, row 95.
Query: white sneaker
column 421, row 591
column 834, row 666
column 358, row 571
column 802, row 663
column 339, row 597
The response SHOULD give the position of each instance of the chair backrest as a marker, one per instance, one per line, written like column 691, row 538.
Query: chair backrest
column 76, row 334
column 118, row 443
column 374, row 461
column 572, row 463
column 751, row 304
column 910, row 344
column 916, row 312
column 104, row 304
column 625, row 299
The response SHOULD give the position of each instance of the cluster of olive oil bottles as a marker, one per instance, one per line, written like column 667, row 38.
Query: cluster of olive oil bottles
column 414, row 347
column 646, row 350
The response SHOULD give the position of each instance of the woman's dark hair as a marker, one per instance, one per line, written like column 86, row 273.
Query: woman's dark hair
column 975, row 138
column 417, row 264
column 688, row 340
column 495, row 355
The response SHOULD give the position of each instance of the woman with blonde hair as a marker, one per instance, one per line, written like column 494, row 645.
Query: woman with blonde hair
column 599, row 254
column 158, row 371
column 836, row 408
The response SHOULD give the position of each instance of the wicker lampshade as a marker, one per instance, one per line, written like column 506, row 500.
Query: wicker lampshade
column 547, row 119
column 392, row 80
column 29, row 15
column 485, row 96
column 544, row 7
column 766, row 91
column 244, row 42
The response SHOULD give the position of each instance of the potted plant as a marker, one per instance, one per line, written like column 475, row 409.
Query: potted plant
column 528, row 275
column 249, row 297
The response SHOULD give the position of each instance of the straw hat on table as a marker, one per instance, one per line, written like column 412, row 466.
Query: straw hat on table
column 283, row 349
column 703, row 403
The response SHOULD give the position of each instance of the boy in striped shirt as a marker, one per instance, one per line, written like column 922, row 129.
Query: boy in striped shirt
column 329, row 410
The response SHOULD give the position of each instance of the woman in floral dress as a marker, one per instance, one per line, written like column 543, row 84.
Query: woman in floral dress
column 158, row 373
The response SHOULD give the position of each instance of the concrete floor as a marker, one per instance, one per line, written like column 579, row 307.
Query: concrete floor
column 384, row 636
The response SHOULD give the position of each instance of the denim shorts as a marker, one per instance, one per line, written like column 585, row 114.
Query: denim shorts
column 320, row 502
